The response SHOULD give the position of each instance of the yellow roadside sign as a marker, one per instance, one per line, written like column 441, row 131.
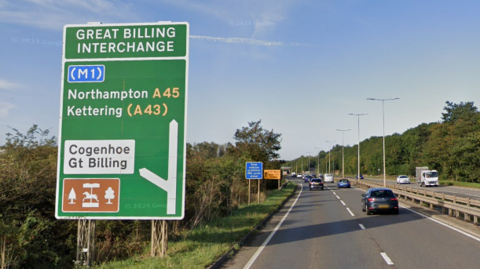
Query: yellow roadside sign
column 272, row 174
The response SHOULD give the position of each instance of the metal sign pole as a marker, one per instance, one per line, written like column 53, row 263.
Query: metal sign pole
column 258, row 195
column 85, row 242
column 249, row 191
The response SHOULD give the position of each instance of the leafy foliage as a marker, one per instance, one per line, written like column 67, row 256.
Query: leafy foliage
column 27, row 198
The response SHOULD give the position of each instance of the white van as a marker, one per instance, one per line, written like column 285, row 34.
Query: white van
column 328, row 178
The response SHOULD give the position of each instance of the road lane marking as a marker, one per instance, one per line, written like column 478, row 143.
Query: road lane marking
column 444, row 224
column 333, row 192
column 386, row 258
column 343, row 203
column 361, row 226
column 348, row 209
column 260, row 249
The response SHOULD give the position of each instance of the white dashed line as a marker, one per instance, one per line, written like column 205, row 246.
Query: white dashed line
column 361, row 226
column 343, row 203
column 386, row 258
column 348, row 209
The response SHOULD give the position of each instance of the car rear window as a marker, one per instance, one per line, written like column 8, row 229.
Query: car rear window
column 382, row 193
column 316, row 180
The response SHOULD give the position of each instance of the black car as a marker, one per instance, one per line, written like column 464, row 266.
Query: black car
column 379, row 200
column 316, row 183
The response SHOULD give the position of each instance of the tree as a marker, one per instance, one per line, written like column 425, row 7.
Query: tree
column 260, row 144
column 72, row 196
column 463, row 111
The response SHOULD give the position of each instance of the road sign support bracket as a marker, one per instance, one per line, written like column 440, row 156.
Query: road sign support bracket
column 85, row 242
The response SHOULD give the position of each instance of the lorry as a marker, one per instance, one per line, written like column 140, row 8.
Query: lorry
column 426, row 177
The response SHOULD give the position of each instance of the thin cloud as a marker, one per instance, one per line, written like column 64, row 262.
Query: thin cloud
column 245, row 41
column 4, row 109
column 53, row 14
column 262, row 16
column 6, row 85
column 238, row 40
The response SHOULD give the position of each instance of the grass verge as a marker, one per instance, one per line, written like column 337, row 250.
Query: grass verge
column 202, row 246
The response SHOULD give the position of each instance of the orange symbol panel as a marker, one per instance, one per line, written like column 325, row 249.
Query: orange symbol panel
column 91, row 195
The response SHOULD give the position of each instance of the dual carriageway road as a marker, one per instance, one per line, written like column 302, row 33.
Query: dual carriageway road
column 327, row 229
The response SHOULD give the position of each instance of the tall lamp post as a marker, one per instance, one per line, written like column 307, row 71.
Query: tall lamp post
column 309, row 161
column 329, row 153
column 343, row 158
column 318, row 161
column 383, row 117
column 358, row 158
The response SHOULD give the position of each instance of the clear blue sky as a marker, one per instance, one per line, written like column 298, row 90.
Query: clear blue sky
column 299, row 66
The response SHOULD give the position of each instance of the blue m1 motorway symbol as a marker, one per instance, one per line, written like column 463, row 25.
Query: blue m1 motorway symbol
column 86, row 73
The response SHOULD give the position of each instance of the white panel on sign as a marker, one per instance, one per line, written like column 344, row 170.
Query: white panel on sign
column 99, row 157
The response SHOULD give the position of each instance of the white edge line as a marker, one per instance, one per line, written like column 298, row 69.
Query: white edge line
column 260, row 249
column 348, row 209
column 361, row 226
column 444, row 224
column 386, row 258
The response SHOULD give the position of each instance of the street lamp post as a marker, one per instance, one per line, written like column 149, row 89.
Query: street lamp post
column 343, row 158
column 308, row 162
column 329, row 153
column 318, row 161
column 358, row 158
column 383, row 118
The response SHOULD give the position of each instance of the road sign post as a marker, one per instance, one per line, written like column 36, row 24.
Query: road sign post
column 123, row 121
column 254, row 170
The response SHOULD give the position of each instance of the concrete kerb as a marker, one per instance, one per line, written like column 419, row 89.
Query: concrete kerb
column 257, row 228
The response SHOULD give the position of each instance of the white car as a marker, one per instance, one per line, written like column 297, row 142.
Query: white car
column 299, row 176
column 294, row 174
column 328, row 178
column 403, row 179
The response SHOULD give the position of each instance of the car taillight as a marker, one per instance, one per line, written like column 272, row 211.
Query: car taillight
column 393, row 199
column 371, row 199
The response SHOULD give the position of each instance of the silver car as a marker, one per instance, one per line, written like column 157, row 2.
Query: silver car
column 403, row 179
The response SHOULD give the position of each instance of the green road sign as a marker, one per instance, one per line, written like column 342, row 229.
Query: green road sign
column 122, row 121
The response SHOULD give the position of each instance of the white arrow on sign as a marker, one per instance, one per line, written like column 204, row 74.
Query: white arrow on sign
column 170, row 185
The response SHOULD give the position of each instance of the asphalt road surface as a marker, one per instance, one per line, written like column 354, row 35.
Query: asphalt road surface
column 327, row 229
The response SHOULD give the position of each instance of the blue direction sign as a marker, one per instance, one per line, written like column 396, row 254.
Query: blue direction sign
column 254, row 170
column 86, row 73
